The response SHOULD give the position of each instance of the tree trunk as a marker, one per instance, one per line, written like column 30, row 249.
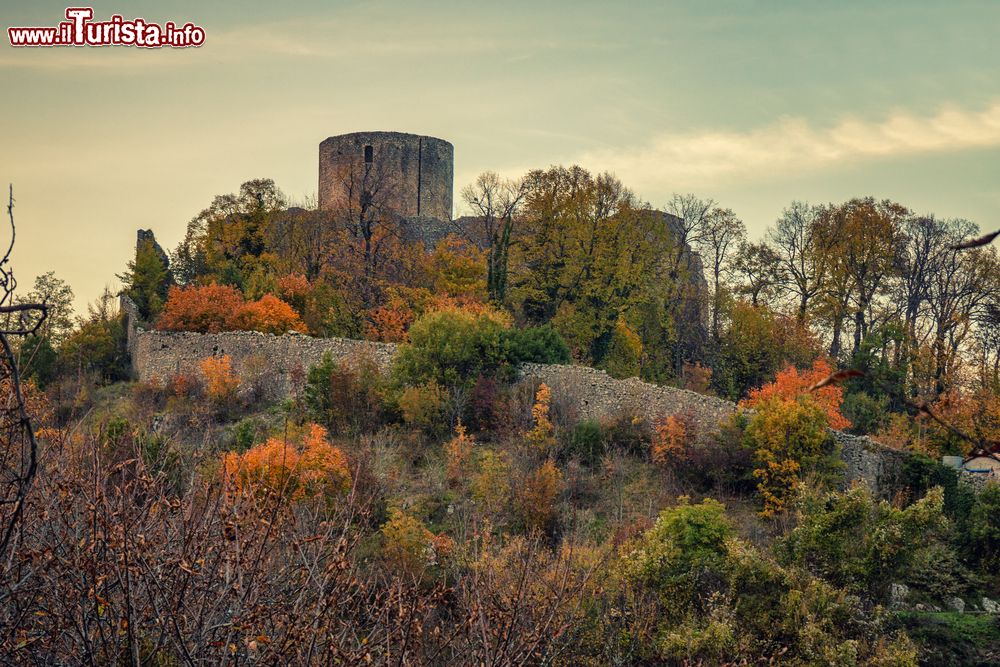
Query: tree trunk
column 838, row 326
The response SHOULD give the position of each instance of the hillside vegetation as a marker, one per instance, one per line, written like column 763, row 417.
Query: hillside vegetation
column 447, row 513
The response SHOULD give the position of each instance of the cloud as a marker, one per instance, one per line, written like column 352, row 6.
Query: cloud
column 793, row 145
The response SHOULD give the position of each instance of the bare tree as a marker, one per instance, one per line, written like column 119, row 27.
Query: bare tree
column 18, row 447
column 796, row 243
column 959, row 292
column 693, row 214
column 921, row 254
column 495, row 201
column 760, row 270
column 722, row 232
column 364, row 214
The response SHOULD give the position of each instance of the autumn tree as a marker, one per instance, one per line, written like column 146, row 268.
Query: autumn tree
column 537, row 501
column 756, row 344
column 302, row 237
column 959, row 292
column 300, row 467
column 789, row 438
column 228, row 241
column 790, row 384
column 860, row 239
column 458, row 454
column 456, row 267
column 588, row 254
column 369, row 231
column 542, row 435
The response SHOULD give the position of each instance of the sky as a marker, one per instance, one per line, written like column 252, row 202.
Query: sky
column 751, row 103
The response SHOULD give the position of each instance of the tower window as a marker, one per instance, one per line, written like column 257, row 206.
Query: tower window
column 369, row 155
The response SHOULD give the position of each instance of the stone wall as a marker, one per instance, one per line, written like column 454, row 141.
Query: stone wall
column 588, row 392
column 596, row 395
column 867, row 460
column 158, row 356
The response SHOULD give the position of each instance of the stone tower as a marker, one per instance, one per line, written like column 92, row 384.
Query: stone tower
column 412, row 174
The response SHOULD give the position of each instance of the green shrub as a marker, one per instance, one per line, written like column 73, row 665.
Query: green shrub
column 452, row 348
column 344, row 400
column 586, row 442
column 866, row 413
column 244, row 434
column 721, row 600
column 541, row 345
column 982, row 530
column 686, row 541
column 951, row 638
column 862, row 544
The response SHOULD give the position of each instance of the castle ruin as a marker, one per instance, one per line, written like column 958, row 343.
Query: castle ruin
column 409, row 177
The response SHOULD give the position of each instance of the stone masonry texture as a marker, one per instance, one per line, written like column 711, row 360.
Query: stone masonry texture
column 418, row 170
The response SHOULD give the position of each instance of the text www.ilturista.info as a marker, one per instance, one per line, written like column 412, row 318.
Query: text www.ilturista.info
column 80, row 30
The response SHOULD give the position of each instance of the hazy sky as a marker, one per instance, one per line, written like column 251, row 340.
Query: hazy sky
column 752, row 103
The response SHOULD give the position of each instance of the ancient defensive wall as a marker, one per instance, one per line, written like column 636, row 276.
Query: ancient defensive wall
column 158, row 356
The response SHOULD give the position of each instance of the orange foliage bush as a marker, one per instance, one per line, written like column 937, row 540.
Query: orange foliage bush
column 789, row 384
column 667, row 447
column 389, row 323
column 213, row 308
column 538, row 498
column 206, row 308
column 409, row 545
column 293, row 287
column 542, row 435
column 181, row 385
column 458, row 452
column 309, row 468
column 268, row 314
column 220, row 382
